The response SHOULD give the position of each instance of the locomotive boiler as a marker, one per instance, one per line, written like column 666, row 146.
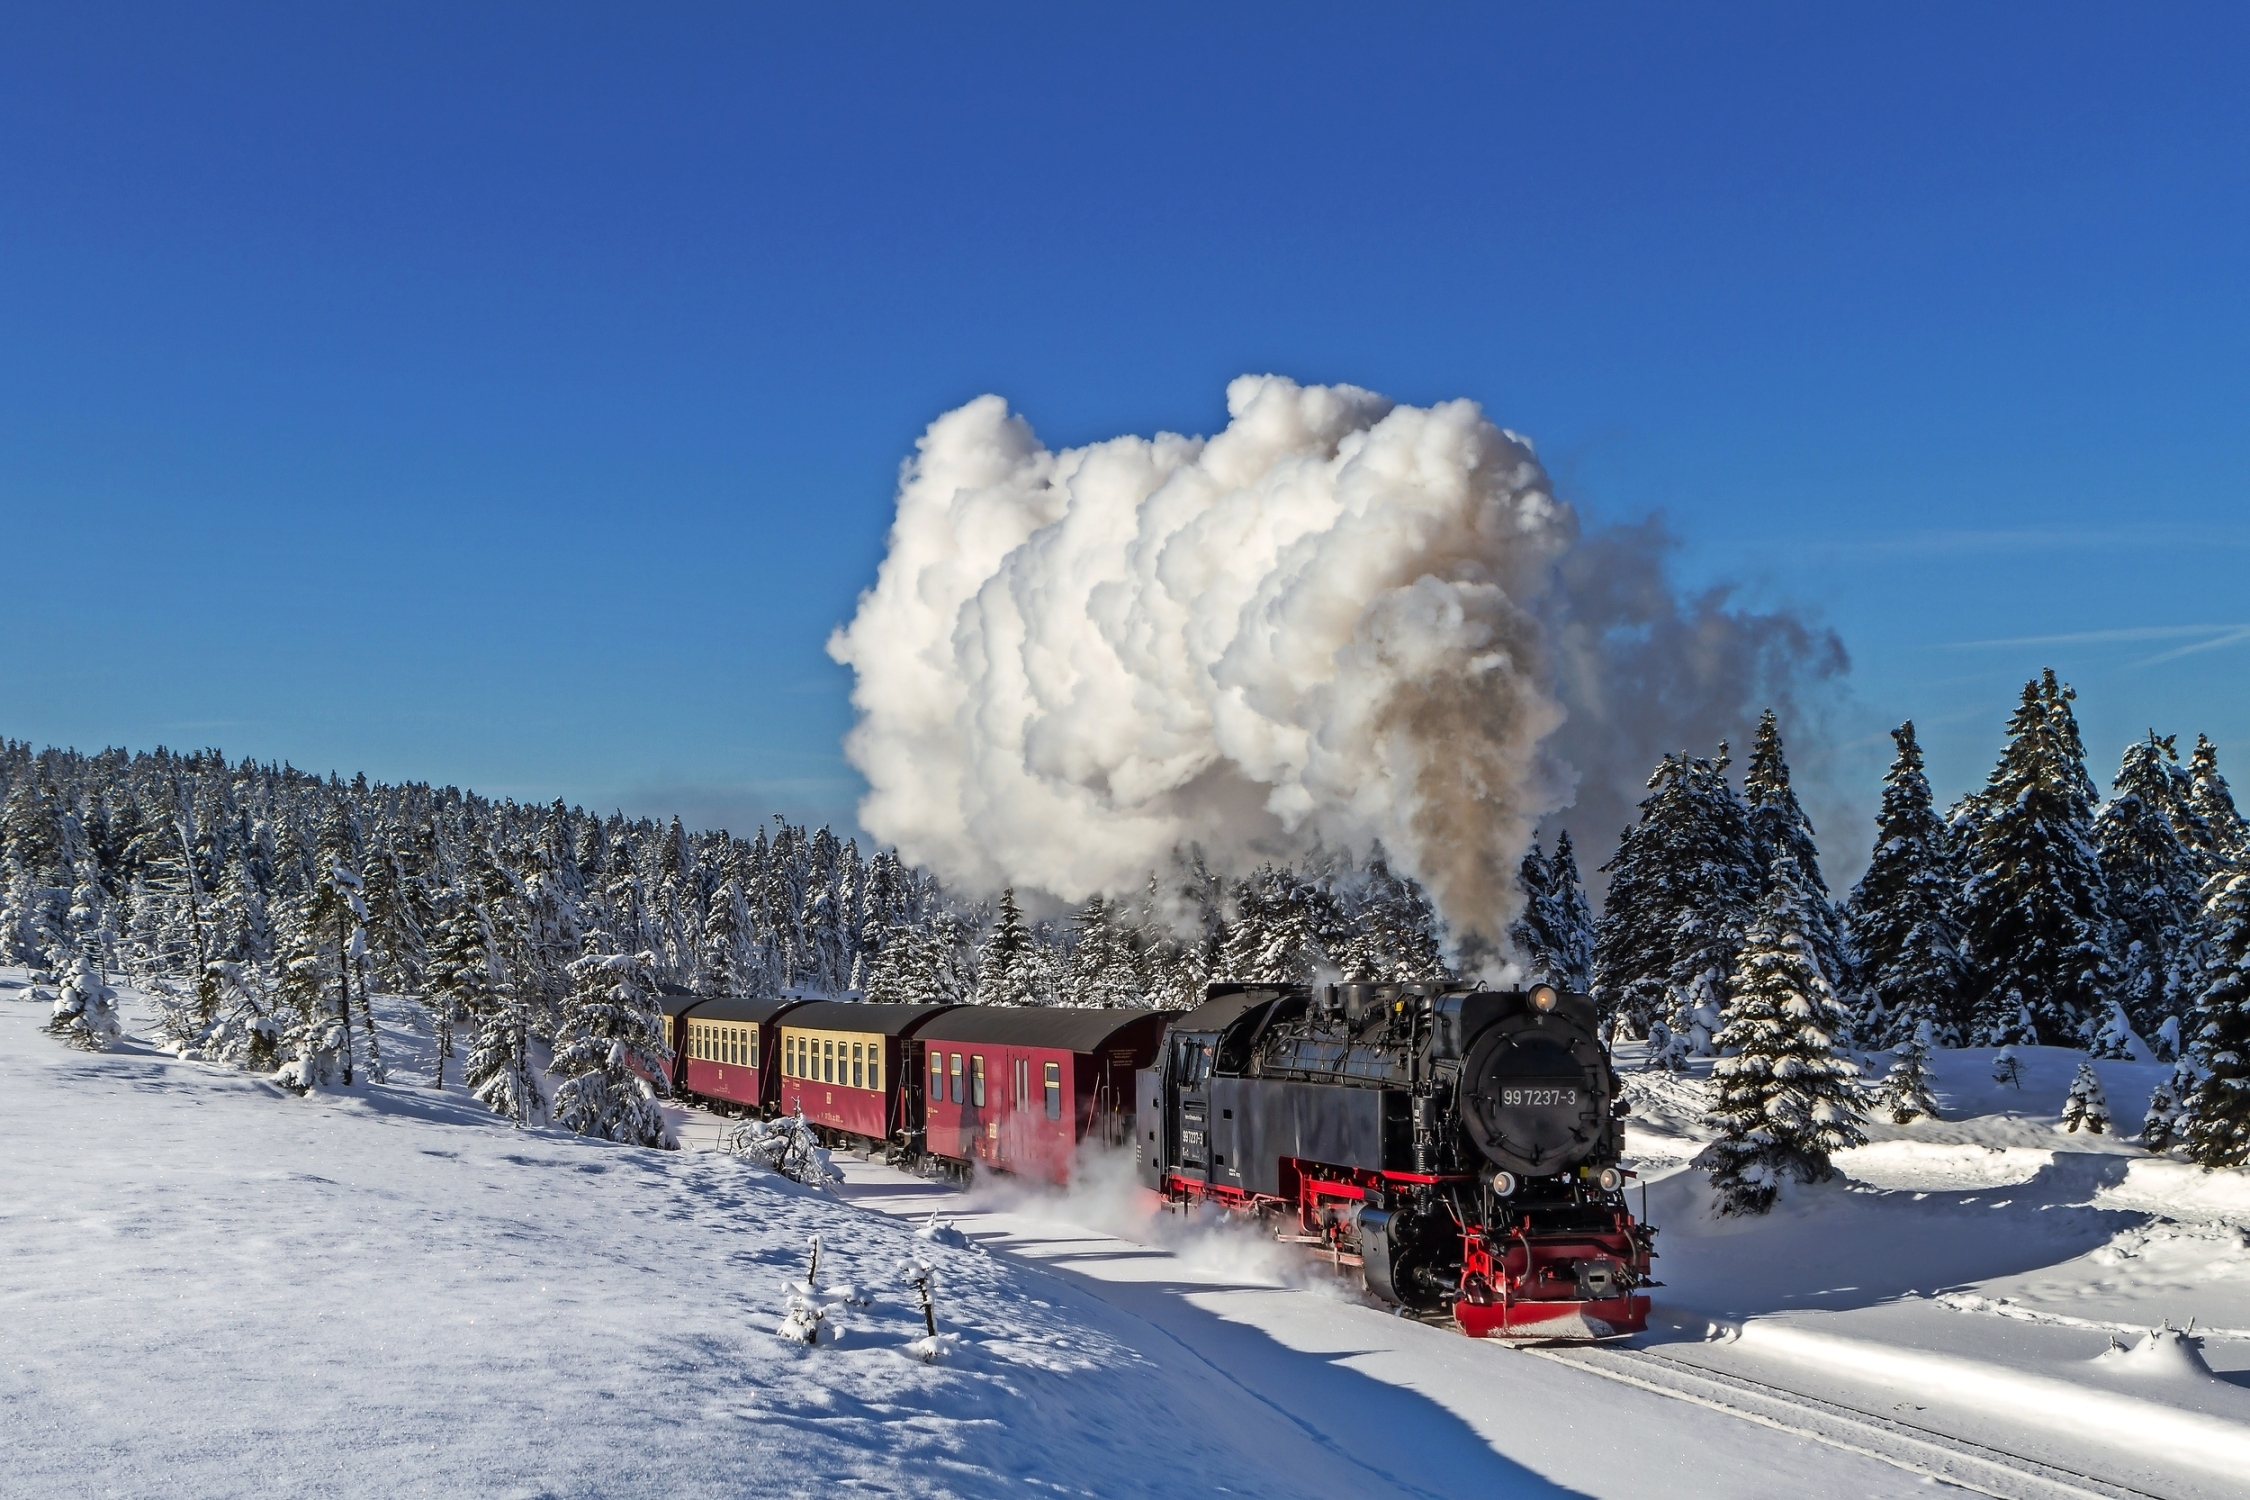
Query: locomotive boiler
column 1460, row 1147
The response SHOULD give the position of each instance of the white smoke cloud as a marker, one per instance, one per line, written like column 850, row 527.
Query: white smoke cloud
column 1335, row 621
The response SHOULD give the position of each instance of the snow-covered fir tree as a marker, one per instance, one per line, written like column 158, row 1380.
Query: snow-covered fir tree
column 610, row 1045
column 1005, row 977
column 1905, row 1094
column 1902, row 917
column 2216, row 1130
column 1784, row 1098
column 1555, row 934
column 1779, row 827
column 2213, row 804
column 2086, row 1104
column 315, row 1044
column 2154, row 881
column 1683, row 885
column 85, row 1013
column 2160, row 1124
column 722, row 940
column 2035, row 917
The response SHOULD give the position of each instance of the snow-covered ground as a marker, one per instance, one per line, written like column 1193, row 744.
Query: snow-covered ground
column 208, row 1287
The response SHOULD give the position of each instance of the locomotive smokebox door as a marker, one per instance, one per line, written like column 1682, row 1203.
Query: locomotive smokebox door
column 1535, row 1099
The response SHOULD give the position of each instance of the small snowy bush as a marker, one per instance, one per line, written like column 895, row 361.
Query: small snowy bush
column 2160, row 1125
column 2007, row 1068
column 1667, row 1052
column 808, row 1316
column 1905, row 1092
column 2114, row 1042
column 939, row 1230
column 787, row 1146
column 85, row 1013
column 2087, row 1104
column 229, row 1019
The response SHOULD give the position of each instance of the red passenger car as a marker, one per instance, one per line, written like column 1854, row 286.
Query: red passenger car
column 733, row 1052
column 1018, row 1087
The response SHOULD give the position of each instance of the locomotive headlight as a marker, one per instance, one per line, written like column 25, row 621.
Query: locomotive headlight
column 1610, row 1179
column 1543, row 998
column 1503, row 1184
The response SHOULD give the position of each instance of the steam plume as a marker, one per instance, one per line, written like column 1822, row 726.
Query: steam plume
column 1335, row 621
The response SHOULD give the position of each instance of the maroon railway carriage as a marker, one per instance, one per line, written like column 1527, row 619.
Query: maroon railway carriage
column 843, row 1063
column 1019, row 1087
column 731, row 1049
column 676, row 1003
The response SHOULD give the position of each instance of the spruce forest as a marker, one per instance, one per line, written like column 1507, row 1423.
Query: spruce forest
column 268, row 904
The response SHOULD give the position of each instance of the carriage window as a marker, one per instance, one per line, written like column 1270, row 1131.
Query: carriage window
column 956, row 1078
column 1054, row 1091
column 859, row 1067
column 976, row 1081
column 874, row 1067
column 827, row 1062
column 937, row 1075
column 751, row 1044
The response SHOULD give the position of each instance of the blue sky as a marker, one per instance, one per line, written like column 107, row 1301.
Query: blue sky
column 513, row 397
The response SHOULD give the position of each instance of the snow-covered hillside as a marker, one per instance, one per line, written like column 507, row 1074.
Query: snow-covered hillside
column 214, row 1288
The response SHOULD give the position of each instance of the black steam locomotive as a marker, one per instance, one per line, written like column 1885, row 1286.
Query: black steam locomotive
column 1460, row 1147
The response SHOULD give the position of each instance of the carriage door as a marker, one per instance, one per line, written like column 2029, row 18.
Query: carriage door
column 1188, row 1122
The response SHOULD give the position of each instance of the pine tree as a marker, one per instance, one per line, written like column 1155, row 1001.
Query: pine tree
column 1902, row 917
column 2153, row 879
column 315, row 1040
column 463, row 988
column 1683, row 886
column 2160, row 1125
column 2087, row 1104
column 2007, row 1068
column 610, row 1046
column 1905, row 1095
column 2214, row 805
column 722, row 936
column 2217, row 1132
column 85, row 1014
column 1784, row 1096
column 1004, row 972
column 1555, row 935
column 2035, row 910
column 1778, row 827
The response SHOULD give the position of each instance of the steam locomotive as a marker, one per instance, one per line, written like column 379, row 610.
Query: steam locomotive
column 1461, row 1148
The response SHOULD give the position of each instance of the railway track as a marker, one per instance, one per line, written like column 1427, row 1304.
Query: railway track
column 1967, row 1465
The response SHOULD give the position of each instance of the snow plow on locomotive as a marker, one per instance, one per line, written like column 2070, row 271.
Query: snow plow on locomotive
column 1460, row 1147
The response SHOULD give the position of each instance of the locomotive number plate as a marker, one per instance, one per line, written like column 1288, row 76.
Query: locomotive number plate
column 1538, row 1098
column 1191, row 1138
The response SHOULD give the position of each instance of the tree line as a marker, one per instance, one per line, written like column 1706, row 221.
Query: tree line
column 2032, row 912
column 276, row 902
